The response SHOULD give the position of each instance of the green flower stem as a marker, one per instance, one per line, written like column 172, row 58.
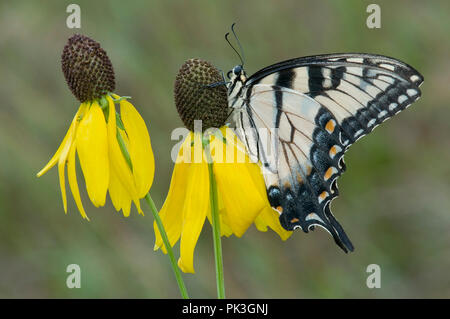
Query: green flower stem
column 159, row 223
column 124, row 150
column 165, row 239
column 216, row 226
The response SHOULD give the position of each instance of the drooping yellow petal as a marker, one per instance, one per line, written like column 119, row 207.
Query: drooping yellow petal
column 269, row 218
column 225, row 230
column 243, row 203
column 126, row 198
column 126, row 207
column 139, row 148
column 92, row 146
column 235, row 184
column 119, row 195
column 172, row 209
column 117, row 161
column 55, row 157
column 64, row 151
column 72, row 175
column 115, row 188
column 62, row 164
column 196, row 206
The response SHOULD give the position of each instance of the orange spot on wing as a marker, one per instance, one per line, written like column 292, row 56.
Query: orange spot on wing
column 333, row 150
column 294, row 220
column 323, row 195
column 330, row 126
column 328, row 173
column 280, row 209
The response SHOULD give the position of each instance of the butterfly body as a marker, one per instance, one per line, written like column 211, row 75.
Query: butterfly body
column 298, row 118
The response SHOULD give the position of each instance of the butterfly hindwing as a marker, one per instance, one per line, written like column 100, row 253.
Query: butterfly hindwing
column 300, row 156
column 310, row 110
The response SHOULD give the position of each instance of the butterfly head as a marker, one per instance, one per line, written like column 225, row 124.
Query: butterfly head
column 237, row 74
column 237, row 79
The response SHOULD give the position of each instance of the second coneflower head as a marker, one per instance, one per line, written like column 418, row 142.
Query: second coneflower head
column 113, row 147
column 198, row 95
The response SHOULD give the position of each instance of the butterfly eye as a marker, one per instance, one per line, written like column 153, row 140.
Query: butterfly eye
column 229, row 74
column 237, row 70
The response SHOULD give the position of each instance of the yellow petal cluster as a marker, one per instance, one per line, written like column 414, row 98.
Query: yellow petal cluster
column 114, row 158
column 241, row 195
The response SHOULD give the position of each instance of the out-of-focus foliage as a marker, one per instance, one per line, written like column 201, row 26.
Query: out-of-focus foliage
column 394, row 202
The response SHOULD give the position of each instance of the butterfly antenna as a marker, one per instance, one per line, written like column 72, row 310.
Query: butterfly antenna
column 239, row 43
column 226, row 38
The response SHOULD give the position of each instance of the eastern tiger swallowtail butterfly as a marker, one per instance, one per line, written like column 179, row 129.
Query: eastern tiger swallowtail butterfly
column 312, row 109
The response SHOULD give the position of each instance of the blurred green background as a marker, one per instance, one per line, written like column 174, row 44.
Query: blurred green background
column 395, row 195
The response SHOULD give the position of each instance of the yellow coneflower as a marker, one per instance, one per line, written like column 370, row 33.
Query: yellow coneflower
column 113, row 149
column 242, row 198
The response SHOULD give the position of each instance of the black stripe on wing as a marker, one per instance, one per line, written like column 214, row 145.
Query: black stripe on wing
column 371, row 60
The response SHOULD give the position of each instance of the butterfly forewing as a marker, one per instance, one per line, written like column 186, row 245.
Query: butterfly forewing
column 298, row 118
